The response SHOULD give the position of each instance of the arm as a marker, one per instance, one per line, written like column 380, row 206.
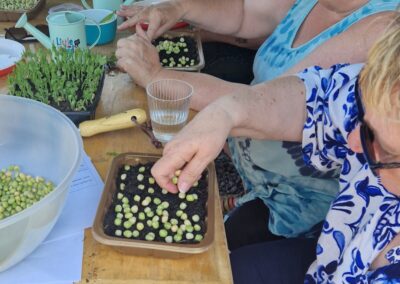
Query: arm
column 274, row 110
column 242, row 18
column 137, row 56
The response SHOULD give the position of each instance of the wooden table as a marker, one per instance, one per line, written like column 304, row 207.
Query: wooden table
column 102, row 264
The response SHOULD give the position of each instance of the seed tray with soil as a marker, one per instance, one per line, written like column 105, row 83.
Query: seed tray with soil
column 180, row 51
column 136, row 216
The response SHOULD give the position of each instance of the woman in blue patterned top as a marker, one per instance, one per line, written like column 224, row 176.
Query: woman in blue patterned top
column 283, row 192
column 348, row 119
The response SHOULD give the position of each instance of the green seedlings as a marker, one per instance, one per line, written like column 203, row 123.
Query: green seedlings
column 118, row 233
column 65, row 80
column 123, row 177
column 19, row 191
column 18, row 5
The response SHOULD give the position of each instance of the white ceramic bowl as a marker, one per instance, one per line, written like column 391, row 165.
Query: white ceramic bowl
column 43, row 142
column 10, row 53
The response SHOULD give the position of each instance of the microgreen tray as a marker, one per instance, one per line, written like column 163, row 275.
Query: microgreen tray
column 80, row 116
column 14, row 15
column 154, row 248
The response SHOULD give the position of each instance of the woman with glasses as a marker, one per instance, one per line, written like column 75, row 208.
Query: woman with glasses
column 348, row 119
column 284, row 197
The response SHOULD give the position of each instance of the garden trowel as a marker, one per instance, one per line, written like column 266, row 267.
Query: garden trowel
column 114, row 122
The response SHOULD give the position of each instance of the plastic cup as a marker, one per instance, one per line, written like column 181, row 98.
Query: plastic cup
column 168, row 101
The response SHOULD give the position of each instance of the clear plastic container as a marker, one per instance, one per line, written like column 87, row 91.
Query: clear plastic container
column 43, row 142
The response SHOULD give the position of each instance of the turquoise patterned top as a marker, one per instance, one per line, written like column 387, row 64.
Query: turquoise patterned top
column 297, row 195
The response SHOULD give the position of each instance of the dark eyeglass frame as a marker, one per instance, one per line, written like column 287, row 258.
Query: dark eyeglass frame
column 12, row 33
column 367, row 138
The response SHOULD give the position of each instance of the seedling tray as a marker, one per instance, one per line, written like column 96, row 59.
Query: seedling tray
column 80, row 116
column 13, row 16
column 198, row 46
column 154, row 248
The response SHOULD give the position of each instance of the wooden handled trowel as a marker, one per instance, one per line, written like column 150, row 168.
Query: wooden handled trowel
column 114, row 122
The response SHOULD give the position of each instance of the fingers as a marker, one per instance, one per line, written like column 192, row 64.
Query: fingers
column 136, row 17
column 191, row 172
column 154, row 26
column 141, row 33
column 129, row 11
column 164, row 169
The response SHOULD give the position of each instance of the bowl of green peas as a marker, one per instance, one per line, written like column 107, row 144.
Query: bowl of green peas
column 40, row 150
column 136, row 216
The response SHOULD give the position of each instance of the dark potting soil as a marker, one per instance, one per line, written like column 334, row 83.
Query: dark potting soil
column 131, row 189
column 229, row 181
column 191, row 45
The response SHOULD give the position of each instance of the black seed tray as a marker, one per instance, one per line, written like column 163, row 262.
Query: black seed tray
column 195, row 50
column 103, row 229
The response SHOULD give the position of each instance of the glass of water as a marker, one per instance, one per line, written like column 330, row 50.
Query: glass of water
column 168, row 101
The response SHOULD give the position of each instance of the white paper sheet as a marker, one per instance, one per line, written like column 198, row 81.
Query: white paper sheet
column 53, row 262
column 81, row 205
column 58, row 260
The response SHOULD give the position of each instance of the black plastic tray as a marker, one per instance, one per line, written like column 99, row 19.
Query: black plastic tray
column 80, row 116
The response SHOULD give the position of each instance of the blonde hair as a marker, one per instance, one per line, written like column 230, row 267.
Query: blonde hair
column 380, row 78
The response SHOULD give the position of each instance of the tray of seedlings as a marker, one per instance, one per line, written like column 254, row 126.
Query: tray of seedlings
column 136, row 216
column 71, row 82
column 180, row 50
column 11, row 10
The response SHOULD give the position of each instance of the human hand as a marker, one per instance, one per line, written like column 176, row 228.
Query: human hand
column 160, row 17
column 138, row 57
column 193, row 148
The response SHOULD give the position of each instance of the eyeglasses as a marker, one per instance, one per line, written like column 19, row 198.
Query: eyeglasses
column 367, row 138
column 147, row 129
column 22, row 36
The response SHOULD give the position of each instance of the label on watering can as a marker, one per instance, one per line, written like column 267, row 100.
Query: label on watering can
column 67, row 43
column 67, row 30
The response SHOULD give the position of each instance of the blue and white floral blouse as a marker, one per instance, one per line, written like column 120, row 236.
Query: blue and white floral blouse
column 364, row 217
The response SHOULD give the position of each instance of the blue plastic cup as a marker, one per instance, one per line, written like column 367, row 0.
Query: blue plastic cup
column 108, row 29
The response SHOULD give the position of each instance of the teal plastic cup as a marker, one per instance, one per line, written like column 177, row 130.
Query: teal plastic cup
column 108, row 29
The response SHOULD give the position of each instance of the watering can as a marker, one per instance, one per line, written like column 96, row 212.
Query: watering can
column 67, row 30
column 112, row 5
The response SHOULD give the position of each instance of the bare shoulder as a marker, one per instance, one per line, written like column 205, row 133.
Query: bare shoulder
column 370, row 28
column 262, row 16
column 273, row 9
column 350, row 46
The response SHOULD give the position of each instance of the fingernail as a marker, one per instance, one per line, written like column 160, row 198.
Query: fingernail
column 183, row 186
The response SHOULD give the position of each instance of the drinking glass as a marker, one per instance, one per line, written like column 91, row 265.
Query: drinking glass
column 168, row 101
